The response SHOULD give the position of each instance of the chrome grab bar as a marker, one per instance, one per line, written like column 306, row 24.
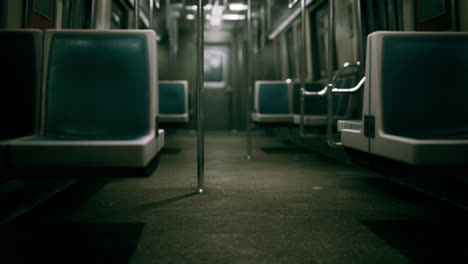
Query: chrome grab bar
column 305, row 93
column 248, row 60
column 334, row 90
column 200, row 97
column 318, row 93
column 137, row 14
column 350, row 90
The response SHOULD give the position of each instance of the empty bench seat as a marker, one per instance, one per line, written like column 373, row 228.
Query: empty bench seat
column 415, row 99
column 173, row 102
column 99, row 106
column 272, row 102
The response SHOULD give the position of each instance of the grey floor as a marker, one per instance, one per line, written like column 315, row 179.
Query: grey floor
column 287, row 205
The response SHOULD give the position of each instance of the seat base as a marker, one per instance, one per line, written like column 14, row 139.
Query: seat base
column 176, row 118
column 311, row 120
column 349, row 124
column 81, row 172
column 34, row 153
column 272, row 118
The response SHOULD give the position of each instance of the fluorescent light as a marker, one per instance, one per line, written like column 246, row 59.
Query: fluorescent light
column 194, row 7
column 216, row 14
column 233, row 17
column 191, row 7
column 190, row 17
column 291, row 4
column 237, row 7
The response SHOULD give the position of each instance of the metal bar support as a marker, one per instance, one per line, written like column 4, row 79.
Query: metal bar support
column 151, row 8
column 200, row 97
column 331, row 40
column 303, row 65
column 137, row 14
column 248, row 61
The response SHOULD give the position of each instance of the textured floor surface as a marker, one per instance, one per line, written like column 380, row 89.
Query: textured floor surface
column 287, row 205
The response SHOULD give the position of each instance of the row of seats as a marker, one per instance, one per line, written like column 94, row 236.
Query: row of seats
column 79, row 99
column 415, row 99
column 279, row 102
column 414, row 105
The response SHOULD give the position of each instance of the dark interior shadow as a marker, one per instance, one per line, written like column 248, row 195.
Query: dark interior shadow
column 66, row 201
column 287, row 150
column 403, row 193
column 171, row 200
column 85, row 172
column 69, row 243
column 425, row 241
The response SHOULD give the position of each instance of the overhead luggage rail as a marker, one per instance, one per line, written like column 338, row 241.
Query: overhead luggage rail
column 98, row 104
column 406, row 115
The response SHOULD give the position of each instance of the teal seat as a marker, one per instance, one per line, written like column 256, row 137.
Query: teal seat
column 435, row 69
column 99, row 102
column 88, row 87
column 272, row 100
column 173, row 102
column 414, row 103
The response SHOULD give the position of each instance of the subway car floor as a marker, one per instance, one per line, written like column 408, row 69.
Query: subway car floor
column 286, row 205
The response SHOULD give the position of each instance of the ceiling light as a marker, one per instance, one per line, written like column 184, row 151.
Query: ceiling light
column 233, row 17
column 237, row 7
column 194, row 7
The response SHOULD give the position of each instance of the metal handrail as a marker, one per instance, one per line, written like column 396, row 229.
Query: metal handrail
column 137, row 14
column 349, row 90
column 332, row 78
column 305, row 93
column 337, row 75
column 334, row 90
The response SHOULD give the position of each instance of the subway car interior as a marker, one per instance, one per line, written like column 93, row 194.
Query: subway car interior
column 234, row 131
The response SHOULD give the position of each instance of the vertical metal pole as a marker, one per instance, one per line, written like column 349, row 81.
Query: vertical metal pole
column 360, row 42
column 331, row 40
column 303, row 63
column 151, row 8
column 248, row 61
column 200, row 81
column 137, row 14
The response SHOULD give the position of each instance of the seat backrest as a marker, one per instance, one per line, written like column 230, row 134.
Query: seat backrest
column 21, row 74
column 272, row 97
column 100, row 84
column 173, row 97
column 341, row 102
column 423, row 85
column 313, row 105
